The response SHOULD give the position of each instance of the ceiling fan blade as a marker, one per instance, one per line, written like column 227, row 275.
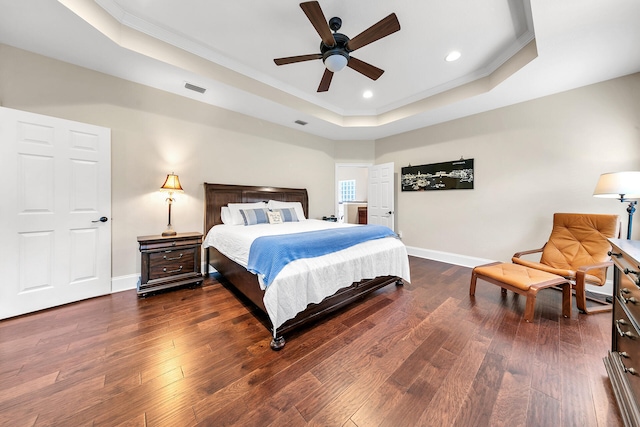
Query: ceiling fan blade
column 294, row 59
column 383, row 28
column 364, row 68
column 326, row 81
column 314, row 13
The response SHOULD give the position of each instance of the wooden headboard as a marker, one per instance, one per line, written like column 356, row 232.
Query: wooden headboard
column 218, row 195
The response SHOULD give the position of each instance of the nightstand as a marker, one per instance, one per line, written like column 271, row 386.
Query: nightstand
column 169, row 262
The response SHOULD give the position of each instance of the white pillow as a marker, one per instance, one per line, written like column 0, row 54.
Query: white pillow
column 297, row 206
column 236, row 216
column 225, row 215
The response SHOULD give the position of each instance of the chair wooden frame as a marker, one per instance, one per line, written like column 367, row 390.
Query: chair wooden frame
column 578, row 283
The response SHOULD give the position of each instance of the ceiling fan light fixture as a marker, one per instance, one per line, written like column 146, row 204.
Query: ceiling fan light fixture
column 336, row 61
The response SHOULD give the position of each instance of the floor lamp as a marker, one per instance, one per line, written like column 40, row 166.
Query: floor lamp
column 171, row 185
column 622, row 186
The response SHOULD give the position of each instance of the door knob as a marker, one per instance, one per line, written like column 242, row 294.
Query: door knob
column 102, row 219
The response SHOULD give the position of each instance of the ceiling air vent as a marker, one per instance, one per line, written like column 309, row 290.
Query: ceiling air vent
column 195, row 88
column 300, row 122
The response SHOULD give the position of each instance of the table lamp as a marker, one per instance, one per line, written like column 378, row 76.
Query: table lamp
column 171, row 185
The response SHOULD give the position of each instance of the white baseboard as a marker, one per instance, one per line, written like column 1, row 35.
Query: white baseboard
column 124, row 283
column 606, row 289
column 448, row 257
column 470, row 262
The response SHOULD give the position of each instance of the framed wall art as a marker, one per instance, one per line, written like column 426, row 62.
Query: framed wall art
column 454, row 175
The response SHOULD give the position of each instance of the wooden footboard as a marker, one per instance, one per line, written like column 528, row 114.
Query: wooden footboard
column 247, row 284
column 341, row 298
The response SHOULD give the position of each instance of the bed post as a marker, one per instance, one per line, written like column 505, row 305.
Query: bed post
column 277, row 343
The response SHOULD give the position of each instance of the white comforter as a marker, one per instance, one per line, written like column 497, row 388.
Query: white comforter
column 310, row 280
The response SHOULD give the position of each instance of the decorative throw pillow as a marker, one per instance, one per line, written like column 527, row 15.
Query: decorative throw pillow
column 254, row 216
column 287, row 215
column 274, row 217
column 274, row 204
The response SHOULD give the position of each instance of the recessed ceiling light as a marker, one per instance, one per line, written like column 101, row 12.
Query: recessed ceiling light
column 367, row 94
column 452, row 56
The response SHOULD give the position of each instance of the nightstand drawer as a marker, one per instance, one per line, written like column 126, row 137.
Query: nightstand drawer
column 171, row 262
column 171, row 244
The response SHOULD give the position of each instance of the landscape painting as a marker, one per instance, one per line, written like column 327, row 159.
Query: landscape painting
column 453, row 175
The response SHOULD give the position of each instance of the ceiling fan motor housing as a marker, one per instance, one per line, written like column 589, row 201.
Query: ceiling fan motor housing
column 340, row 47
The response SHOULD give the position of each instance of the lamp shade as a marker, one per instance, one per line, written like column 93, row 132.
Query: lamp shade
column 172, row 183
column 618, row 185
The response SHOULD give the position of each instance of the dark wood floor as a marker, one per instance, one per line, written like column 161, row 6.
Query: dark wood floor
column 425, row 354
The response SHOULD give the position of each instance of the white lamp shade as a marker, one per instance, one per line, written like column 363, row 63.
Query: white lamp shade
column 335, row 62
column 618, row 185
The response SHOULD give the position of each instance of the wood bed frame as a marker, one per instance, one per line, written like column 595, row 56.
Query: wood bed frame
column 218, row 195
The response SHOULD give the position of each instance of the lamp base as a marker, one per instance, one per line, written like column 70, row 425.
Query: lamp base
column 169, row 232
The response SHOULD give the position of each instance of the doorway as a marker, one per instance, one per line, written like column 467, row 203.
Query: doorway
column 351, row 191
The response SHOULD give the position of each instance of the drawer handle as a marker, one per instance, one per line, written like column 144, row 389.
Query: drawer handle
column 620, row 332
column 629, row 370
column 632, row 300
column 614, row 254
column 627, row 271
column 636, row 273
column 172, row 259
column 172, row 271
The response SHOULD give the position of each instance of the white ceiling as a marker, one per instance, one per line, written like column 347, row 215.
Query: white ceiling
column 512, row 51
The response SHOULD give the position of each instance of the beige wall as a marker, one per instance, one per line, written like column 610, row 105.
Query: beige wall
column 531, row 160
column 154, row 133
column 355, row 151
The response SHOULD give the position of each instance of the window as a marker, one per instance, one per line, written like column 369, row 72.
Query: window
column 347, row 190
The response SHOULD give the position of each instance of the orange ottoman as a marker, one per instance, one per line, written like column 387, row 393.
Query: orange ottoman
column 524, row 281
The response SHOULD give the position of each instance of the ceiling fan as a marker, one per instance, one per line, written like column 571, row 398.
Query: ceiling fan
column 335, row 48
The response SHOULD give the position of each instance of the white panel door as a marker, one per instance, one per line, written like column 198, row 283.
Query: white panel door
column 55, row 247
column 380, row 206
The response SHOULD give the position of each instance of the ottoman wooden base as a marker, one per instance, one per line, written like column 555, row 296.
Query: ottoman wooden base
column 524, row 281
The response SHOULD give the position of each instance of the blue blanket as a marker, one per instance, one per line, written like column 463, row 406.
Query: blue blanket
column 268, row 255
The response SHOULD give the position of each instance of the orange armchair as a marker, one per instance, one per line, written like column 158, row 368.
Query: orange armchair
column 577, row 250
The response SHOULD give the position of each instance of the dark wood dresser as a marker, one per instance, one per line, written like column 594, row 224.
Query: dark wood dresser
column 623, row 361
column 362, row 215
column 169, row 261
